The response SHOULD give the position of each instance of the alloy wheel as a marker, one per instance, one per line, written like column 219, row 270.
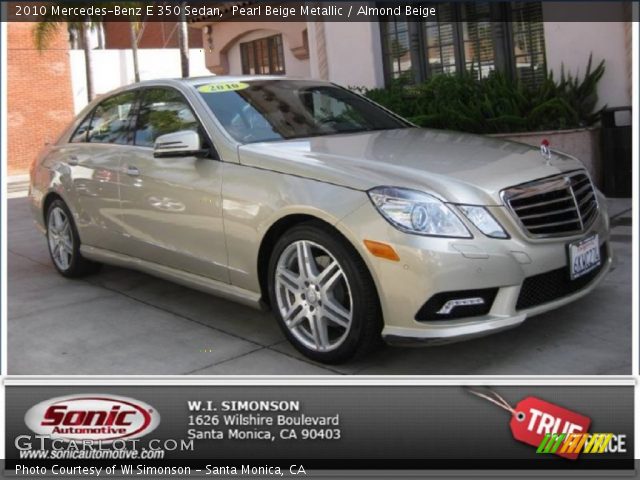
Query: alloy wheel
column 60, row 238
column 313, row 296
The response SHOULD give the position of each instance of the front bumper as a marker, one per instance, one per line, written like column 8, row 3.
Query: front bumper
column 430, row 265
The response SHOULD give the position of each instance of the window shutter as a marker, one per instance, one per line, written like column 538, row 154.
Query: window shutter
column 478, row 39
column 528, row 42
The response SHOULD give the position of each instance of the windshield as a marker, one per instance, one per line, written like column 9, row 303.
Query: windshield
column 263, row 110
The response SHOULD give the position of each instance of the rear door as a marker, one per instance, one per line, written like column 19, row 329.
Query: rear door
column 171, row 208
column 93, row 156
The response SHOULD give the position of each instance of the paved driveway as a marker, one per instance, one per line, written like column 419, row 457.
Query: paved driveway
column 122, row 322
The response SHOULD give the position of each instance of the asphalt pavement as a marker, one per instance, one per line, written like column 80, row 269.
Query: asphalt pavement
column 122, row 322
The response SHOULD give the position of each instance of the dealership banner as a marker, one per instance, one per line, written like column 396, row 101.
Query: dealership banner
column 186, row 430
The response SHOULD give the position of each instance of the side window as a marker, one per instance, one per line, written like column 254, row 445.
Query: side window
column 80, row 135
column 111, row 119
column 162, row 111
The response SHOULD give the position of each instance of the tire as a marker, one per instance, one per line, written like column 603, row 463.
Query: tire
column 64, row 243
column 330, row 313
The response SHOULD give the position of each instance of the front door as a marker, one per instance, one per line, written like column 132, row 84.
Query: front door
column 171, row 208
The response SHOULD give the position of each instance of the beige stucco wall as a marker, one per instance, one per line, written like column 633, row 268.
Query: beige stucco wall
column 221, row 44
column 570, row 43
column 354, row 53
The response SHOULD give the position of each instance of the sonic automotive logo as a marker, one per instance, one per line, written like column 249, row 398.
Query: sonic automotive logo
column 97, row 417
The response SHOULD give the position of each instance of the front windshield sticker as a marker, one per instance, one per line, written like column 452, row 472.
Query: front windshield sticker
column 222, row 87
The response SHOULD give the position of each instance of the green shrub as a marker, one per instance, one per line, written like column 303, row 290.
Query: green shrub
column 496, row 104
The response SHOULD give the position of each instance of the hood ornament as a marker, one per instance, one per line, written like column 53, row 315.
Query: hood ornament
column 545, row 151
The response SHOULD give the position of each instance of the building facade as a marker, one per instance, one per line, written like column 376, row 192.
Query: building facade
column 517, row 38
column 521, row 40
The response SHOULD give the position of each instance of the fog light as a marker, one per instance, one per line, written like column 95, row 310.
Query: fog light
column 459, row 302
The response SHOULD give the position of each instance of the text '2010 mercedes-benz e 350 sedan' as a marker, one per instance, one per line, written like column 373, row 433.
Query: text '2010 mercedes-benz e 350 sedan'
column 350, row 223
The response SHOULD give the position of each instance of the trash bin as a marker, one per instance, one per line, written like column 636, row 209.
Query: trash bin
column 615, row 138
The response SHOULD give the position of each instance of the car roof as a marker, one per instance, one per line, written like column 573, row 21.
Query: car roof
column 193, row 81
column 216, row 79
column 234, row 78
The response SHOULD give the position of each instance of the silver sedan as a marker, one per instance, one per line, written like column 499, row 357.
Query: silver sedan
column 346, row 220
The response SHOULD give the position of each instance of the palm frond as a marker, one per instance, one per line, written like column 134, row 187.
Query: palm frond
column 45, row 32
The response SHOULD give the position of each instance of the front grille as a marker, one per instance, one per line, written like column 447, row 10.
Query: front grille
column 550, row 286
column 553, row 207
column 429, row 311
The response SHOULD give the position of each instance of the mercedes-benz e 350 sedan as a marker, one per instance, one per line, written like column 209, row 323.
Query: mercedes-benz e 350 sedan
column 349, row 222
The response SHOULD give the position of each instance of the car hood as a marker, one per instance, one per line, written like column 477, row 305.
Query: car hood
column 457, row 167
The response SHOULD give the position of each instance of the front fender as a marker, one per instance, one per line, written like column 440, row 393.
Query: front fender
column 255, row 199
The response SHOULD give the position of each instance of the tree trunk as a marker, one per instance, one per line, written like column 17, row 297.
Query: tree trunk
column 100, row 31
column 183, row 39
column 73, row 38
column 134, row 51
column 88, row 57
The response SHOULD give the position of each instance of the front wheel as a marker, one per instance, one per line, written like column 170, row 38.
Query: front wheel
column 323, row 295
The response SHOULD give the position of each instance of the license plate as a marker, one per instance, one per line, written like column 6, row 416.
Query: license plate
column 584, row 256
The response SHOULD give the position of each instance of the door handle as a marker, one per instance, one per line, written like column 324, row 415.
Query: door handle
column 132, row 171
column 73, row 160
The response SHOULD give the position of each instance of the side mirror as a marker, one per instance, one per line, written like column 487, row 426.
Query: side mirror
column 185, row 143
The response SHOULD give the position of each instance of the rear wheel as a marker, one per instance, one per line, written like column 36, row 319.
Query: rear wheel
column 323, row 295
column 64, row 242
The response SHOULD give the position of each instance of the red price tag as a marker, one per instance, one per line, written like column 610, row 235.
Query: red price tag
column 534, row 418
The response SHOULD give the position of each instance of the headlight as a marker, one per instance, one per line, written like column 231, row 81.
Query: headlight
column 416, row 212
column 485, row 222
